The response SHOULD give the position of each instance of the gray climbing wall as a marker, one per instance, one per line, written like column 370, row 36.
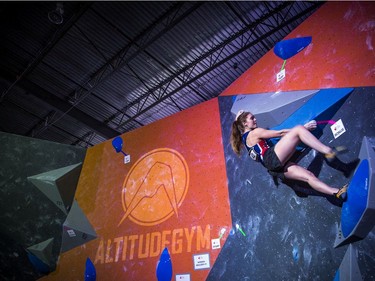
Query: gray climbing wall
column 290, row 229
column 27, row 216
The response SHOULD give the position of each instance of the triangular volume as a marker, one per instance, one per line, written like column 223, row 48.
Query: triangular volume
column 272, row 108
column 59, row 185
column 43, row 251
column 77, row 230
column 349, row 269
column 321, row 107
column 39, row 265
column 67, row 184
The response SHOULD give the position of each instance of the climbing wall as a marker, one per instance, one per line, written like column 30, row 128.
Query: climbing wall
column 169, row 202
column 32, row 216
column 220, row 217
column 294, row 233
column 291, row 229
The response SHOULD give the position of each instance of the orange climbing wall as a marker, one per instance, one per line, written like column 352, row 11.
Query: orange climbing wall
column 172, row 194
column 341, row 53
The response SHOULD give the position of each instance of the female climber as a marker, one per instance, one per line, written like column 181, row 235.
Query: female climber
column 276, row 158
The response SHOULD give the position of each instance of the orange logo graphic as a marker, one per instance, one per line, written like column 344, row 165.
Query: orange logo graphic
column 155, row 187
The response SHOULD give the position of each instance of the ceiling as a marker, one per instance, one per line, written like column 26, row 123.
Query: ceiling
column 111, row 67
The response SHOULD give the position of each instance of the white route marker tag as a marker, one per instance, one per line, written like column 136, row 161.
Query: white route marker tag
column 182, row 277
column 201, row 261
column 338, row 129
column 281, row 75
column 215, row 243
column 127, row 159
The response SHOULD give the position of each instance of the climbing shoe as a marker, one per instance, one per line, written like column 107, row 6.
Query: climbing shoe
column 342, row 194
column 335, row 151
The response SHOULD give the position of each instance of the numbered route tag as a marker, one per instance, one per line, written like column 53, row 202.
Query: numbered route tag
column 182, row 277
column 201, row 261
column 215, row 243
column 281, row 75
column 71, row 233
column 338, row 129
column 127, row 159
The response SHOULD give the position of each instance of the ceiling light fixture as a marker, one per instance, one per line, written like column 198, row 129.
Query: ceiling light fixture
column 56, row 16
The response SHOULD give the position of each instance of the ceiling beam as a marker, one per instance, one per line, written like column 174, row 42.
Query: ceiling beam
column 55, row 38
column 65, row 107
column 188, row 68
column 116, row 63
column 313, row 7
column 52, row 126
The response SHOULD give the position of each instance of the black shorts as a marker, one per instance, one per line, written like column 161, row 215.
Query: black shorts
column 273, row 164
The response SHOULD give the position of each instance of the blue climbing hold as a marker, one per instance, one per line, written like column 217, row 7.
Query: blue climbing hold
column 117, row 144
column 90, row 271
column 164, row 267
column 288, row 48
column 295, row 253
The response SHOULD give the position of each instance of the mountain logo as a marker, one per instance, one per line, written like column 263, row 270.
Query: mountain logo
column 155, row 187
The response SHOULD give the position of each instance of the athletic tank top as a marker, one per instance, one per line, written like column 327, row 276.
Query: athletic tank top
column 257, row 151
